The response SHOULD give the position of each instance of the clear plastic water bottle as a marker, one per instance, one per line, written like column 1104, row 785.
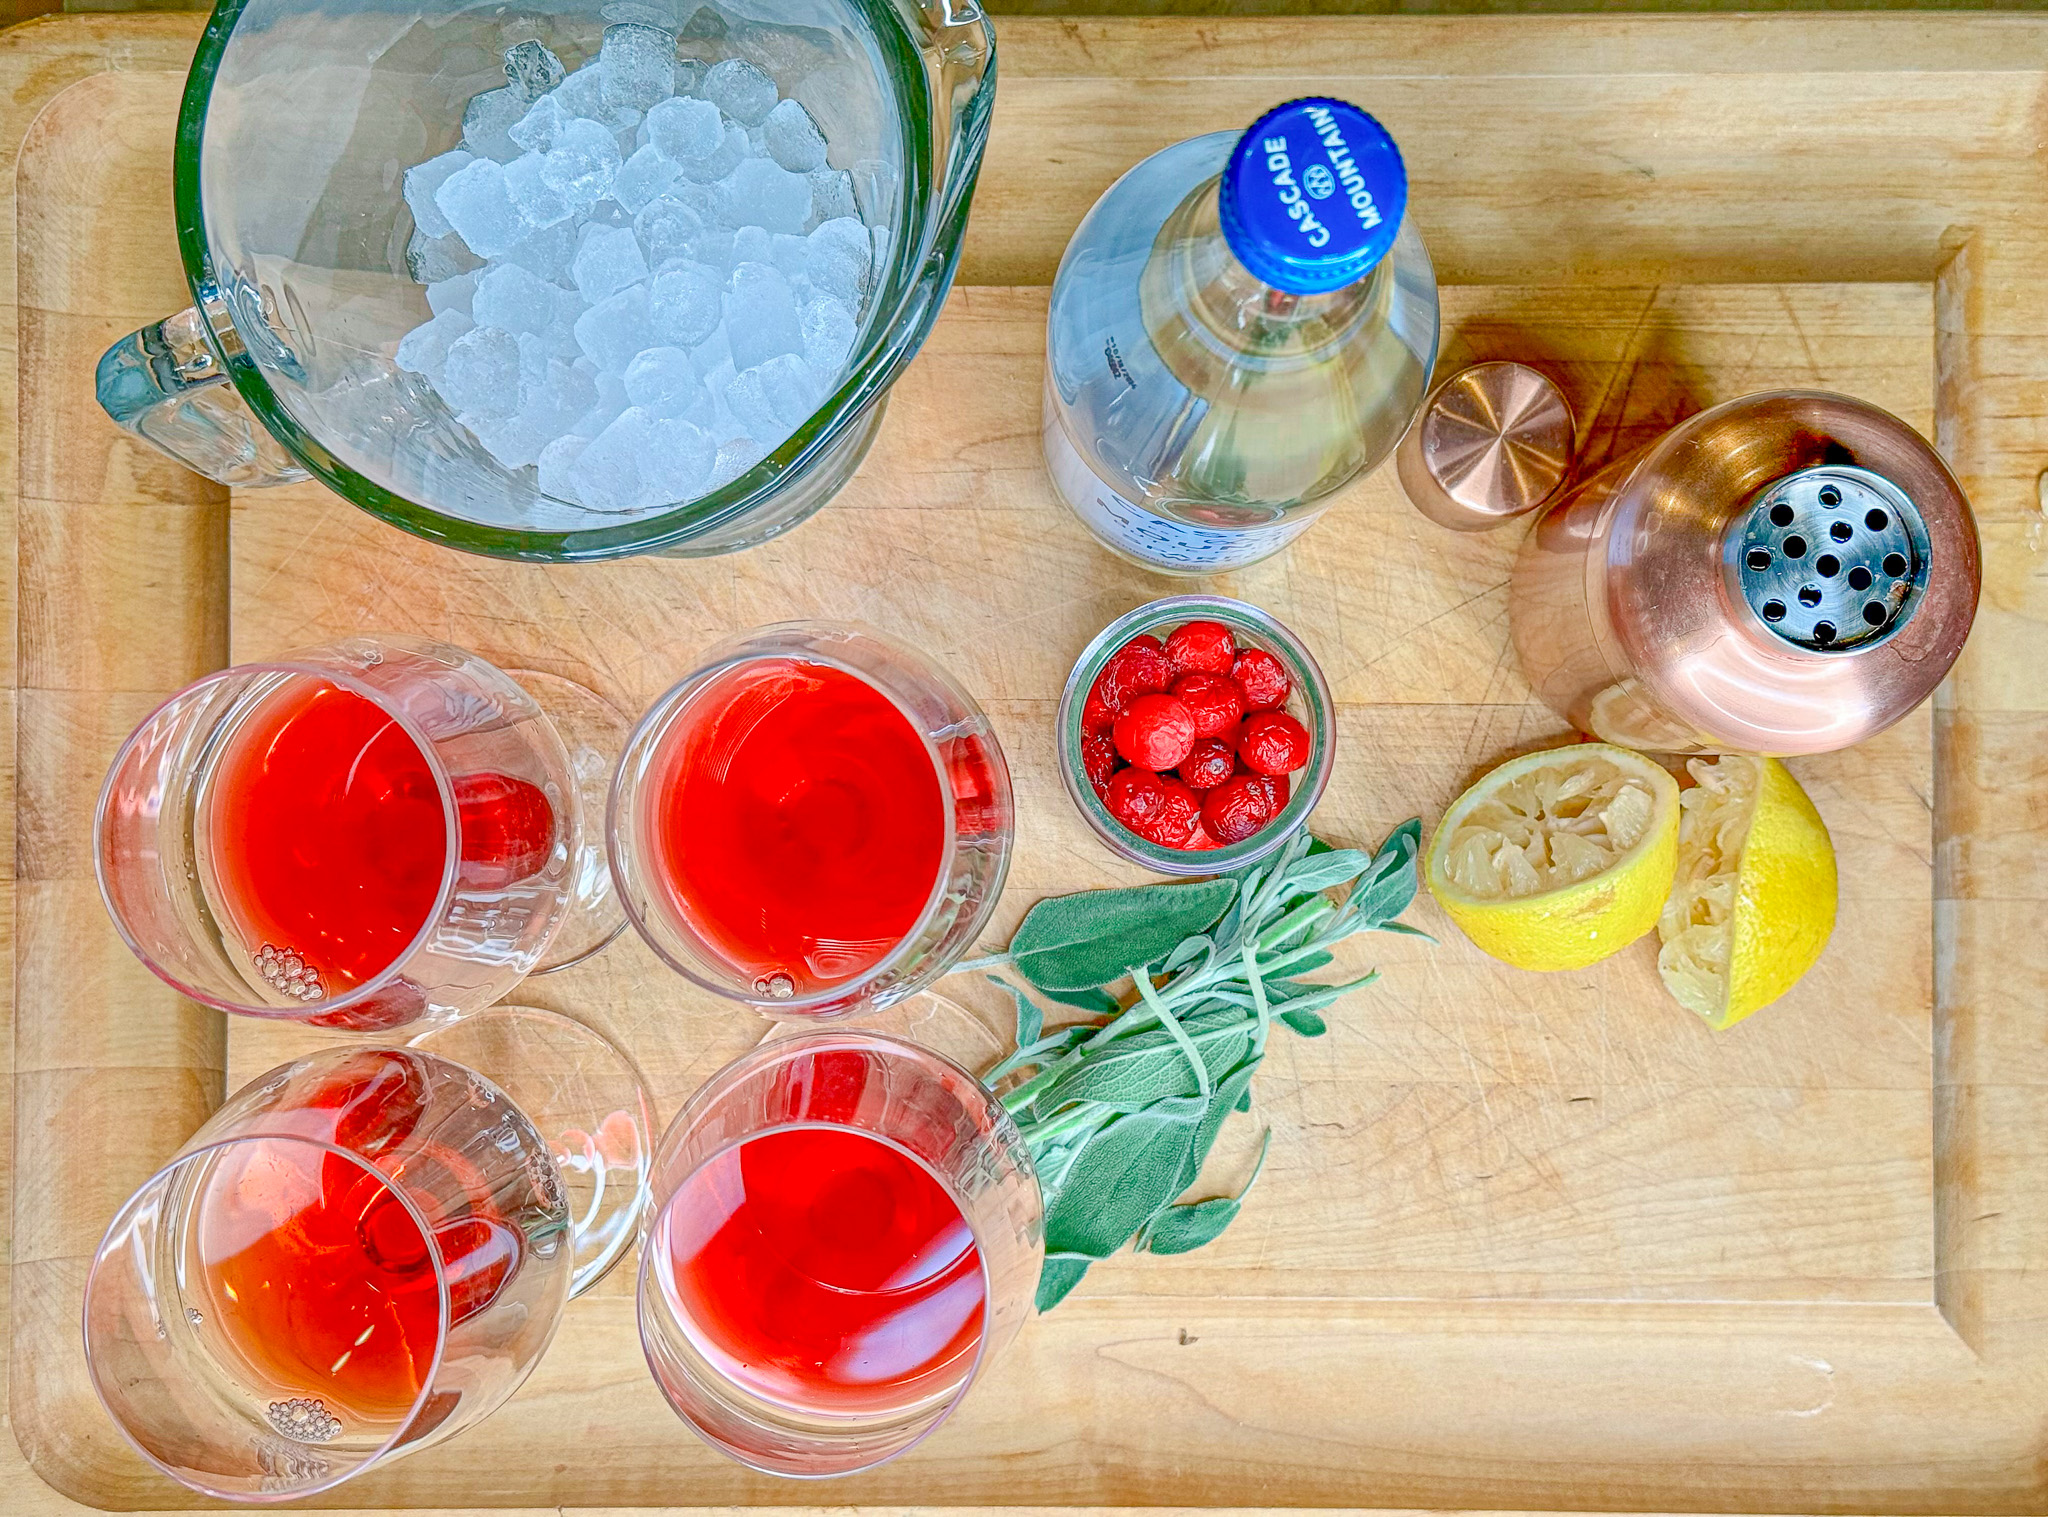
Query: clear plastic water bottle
column 1240, row 328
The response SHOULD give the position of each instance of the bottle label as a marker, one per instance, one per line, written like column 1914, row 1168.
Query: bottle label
column 1149, row 537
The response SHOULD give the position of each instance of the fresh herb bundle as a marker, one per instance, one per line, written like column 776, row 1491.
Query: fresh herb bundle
column 1121, row 1110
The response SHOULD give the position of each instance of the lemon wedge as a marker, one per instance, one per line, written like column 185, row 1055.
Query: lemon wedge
column 1557, row 859
column 1754, row 900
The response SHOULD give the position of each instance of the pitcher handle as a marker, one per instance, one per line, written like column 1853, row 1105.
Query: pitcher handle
column 166, row 384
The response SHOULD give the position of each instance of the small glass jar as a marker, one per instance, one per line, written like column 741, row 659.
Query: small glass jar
column 1308, row 702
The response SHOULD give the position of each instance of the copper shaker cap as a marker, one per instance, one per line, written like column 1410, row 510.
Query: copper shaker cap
column 1492, row 442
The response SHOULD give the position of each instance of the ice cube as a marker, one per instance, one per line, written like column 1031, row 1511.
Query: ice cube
column 735, row 457
column 645, row 175
column 480, row 208
column 582, row 93
column 678, row 462
column 793, row 139
column 829, row 330
column 662, row 382
column 689, row 76
column 758, row 193
column 553, row 393
column 831, row 195
column 752, row 245
column 531, row 70
column 556, row 460
column 607, row 474
column 421, row 180
column 481, row 374
column 614, row 330
column 452, row 294
column 546, row 252
column 685, row 129
column 684, row 304
column 841, row 255
column 432, row 259
column 639, row 64
column 739, row 89
column 772, row 399
column 720, row 161
column 424, row 350
column 511, row 440
column 711, row 247
column 760, row 315
column 713, row 358
column 513, row 299
column 537, row 129
column 664, row 226
column 607, row 261
column 583, row 163
column 484, row 123
column 790, row 254
column 540, row 204
column 611, row 400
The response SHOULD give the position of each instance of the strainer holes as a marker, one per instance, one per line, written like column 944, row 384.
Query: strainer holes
column 1876, row 520
column 1794, row 546
column 1759, row 558
column 1827, row 566
column 1781, row 515
column 1809, row 596
column 1841, row 531
column 1823, row 633
column 1895, row 564
column 1859, row 578
column 1830, row 496
column 1876, row 612
column 1774, row 610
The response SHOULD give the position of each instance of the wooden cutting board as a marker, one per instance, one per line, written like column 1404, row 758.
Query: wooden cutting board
column 1525, row 1242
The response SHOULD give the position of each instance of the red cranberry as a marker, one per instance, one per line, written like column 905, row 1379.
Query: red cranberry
column 1135, row 797
column 1214, row 700
column 1201, row 647
column 1263, row 678
column 1137, row 668
column 1155, row 732
column 1178, row 817
column 1276, row 788
column 1208, row 764
column 1098, row 758
column 1273, row 742
column 1203, row 840
column 1237, row 808
column 1097, row 714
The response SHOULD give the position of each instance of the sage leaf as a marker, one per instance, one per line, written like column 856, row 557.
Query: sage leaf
column 1128, row 1171
column 1340, row 866
column 1061, row 1273
column 1244, row 1102
column 1096, row 1002
column 1083, row 941
column 1136, row 1071
column 1233, row 1086
column 1307, row 1023
column 1387, row 889
column 1189, row 1225
column 1030, row 1020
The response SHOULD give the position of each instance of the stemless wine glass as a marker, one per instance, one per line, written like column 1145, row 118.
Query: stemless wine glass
column 847, row 1228
column 362, row 1253
column 816, row 821
column 356, row 836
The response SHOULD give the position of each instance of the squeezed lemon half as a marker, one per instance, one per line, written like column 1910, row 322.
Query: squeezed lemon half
column 1754, row 900
column 1557, row 859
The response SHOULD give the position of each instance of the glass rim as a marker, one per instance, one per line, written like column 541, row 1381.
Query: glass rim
column 444, row 1325
column 886, row 343
column 1309, row 679
column 764, row 1053
column 655, row 729
column 451, row 863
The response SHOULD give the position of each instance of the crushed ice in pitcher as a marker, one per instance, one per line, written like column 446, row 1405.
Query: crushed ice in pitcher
column 644, row 273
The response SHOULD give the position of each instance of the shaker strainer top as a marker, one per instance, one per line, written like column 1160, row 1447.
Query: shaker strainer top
column 1831, row 559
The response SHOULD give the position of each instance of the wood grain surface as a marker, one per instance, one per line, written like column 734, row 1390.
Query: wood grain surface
column 1533, row 1243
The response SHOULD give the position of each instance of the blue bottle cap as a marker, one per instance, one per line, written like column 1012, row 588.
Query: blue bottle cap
column 1313, row 195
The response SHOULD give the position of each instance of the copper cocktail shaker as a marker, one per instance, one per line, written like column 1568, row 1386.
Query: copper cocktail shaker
column 1786, row 573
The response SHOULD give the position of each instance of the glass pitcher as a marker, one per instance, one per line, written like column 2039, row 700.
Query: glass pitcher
column 300, row 118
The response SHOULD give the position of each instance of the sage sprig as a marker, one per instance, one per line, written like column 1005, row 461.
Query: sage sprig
column 1121, row 1110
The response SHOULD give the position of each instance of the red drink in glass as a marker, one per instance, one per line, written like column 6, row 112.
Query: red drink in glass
column 816, row 820
column 825, row 1268
column 801, row 827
